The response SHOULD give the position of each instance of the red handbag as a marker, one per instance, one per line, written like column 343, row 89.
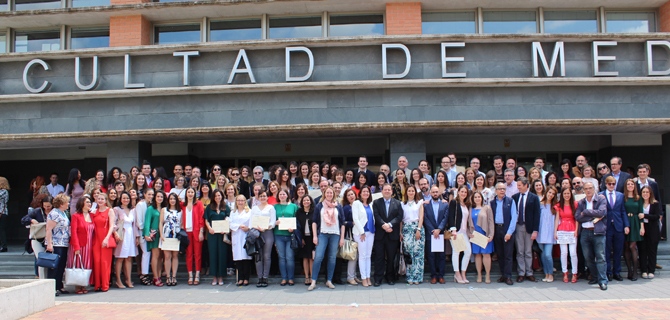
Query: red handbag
column 111, row 242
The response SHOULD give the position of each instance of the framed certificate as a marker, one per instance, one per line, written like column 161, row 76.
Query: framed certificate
column 221, row 226
column 287, row 223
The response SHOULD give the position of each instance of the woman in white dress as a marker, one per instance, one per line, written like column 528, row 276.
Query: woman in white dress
column 240, row 219
column 170, row 225
column 126, row 230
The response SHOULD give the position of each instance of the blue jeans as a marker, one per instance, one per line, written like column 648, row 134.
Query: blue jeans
column 330, row 242
column 593, row 247
column 547, row 259
column 286, row 257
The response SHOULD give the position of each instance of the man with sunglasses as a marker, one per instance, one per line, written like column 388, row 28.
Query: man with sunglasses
column 258, row 177
column 241, row 185
column 619, row 176
column 578, row 188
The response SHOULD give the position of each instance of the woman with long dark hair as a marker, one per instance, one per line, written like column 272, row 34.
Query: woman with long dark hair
column 218, row 250
column 266, row 210
column 304, row 217
column 413, row 235
column 152, row 235
column 74, row 188
column 565, row 221
column 633, row 205
column 81, row 239
column 113, row 176
column 459, row 223
column 126, row 249
column 545, row 235
column 651, row 213
column 170, row 224
column 192, row 217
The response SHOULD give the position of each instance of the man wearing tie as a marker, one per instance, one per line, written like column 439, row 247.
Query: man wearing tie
column 435, row 220
column 388, row 215
column 504, row 209
column 617, row 228
column 528, row 225
column 590, row 213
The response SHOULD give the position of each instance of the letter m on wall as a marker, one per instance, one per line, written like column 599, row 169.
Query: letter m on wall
column 549, row 69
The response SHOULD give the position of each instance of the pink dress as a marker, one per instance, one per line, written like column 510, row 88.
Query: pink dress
column 86, row 253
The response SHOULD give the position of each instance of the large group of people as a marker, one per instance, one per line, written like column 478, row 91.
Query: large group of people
column 231, row 221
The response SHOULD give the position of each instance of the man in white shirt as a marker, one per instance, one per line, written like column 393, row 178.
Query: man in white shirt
column 590, row 213
column 510, row 164
column 539, row 163
column 402, row 164
column 54, row 188
column 475, row 164
column 446, row 167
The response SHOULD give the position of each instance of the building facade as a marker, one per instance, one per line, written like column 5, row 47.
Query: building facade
column 101, row 83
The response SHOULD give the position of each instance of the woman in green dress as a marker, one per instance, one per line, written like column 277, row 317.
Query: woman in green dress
column 633, row 206
column 218, row 250
column 151, row 224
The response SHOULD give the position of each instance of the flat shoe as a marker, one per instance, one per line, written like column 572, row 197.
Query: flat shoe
column 291, row 283
column 352, row 282
column 283, row 283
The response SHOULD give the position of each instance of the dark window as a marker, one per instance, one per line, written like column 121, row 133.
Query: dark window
column 89, row 38
column 235, row 30
column 29, row 41
column 356, row 25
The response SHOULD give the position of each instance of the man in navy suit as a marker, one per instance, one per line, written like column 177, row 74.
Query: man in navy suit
column 434, row 222
column 388, row 215
column 591, row 213
column 619, row 176
column 617, row 228
column 528, row 224
column 505, row 217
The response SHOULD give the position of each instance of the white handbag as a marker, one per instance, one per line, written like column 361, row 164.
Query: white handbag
column 77, row 276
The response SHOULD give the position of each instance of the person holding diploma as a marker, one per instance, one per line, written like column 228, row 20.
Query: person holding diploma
column 151, row 225
column 218, row 250
column 328, row 234
column 240, row 220
column 505, row 217
column 170, row 225
column 545, row 235
column 388, row 216
column 285, row 209
column 364, row 232
column 269, row 215
column 651, row 212
column 413, row 236
column 192, row 215
column 565, row 222
column 459, row 223
column 482, row 218
column 435, row 220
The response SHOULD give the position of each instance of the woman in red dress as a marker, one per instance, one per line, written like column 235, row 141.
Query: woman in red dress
column 102, row 252
column 81, row 238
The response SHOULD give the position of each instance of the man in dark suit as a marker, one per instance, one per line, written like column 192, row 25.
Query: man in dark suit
column 388, row 215
column 617, row 227
column 527, row 226
column 591, row 214
column 505, row 217
column 619, row 176
column 434, row 222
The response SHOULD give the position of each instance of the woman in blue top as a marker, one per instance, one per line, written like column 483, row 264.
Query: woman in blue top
column 328, row 234
column 364, row 232
column 545, row 236
column 483, row 220
column 285, row 209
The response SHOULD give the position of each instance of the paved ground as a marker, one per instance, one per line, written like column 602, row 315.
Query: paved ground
column 623, row 300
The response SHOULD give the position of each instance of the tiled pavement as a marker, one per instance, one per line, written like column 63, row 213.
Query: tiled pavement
column 623, row 300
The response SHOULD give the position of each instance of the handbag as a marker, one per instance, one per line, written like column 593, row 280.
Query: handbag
column 294, row 242
column 111, row 242
column 28, row 246
column 47, row 260
column 182, row 236
column 349, row 251
column 38, row 231
column 402, row 268
column 77, row 276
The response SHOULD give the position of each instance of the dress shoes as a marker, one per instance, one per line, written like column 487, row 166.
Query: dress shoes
column 377, row 284
column 501, row 279
column 442, row 281
column 390, row 282
column 531, row 278
column 617, row 277
column 603, row 286
column 609, row 277
column 338, row 281
column 509, row 282
column 433, row 281
column 592, row 281
column 519, row 279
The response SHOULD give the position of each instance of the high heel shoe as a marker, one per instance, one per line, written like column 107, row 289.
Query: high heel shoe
column 574, row 278
column 565, row 277
column 458, row 279
column 120, row 285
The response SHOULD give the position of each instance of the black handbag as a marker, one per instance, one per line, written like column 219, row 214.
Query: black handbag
column 28, row 246
column 47, row 260
column 294, row 242
column 183, row 240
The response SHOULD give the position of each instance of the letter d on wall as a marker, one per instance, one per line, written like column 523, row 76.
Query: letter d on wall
column 408, row 61
column 289, row 50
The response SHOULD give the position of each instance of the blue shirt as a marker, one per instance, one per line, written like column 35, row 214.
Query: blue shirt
column 387, row 203
column 499, row 219
column 370, row 226
column 436, row 206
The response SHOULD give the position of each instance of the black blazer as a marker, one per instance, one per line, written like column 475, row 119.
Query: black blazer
column 243, row 188
column 531, row 211
column 394, row 217
column 455, row 216
column 621, row 184
column 654, row 188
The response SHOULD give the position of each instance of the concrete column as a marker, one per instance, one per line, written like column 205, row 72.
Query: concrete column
column 412, row 146
column 125, row 154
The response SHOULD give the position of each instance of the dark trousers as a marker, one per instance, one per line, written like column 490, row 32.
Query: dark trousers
column 243, row 269
column 3, row 230
column 504, row 250
column 648, row 250
column 436, row 260
column 614, row 250
column 385, row 251
column 57, row 273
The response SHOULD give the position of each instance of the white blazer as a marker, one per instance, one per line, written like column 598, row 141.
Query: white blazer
column 360, row 217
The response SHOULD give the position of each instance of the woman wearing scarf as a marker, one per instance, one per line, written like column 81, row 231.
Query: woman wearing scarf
column 328, row 233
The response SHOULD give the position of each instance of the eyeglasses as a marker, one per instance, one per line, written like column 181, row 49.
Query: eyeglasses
column 235, row 174
column 611, row 184
column 258, row 173
column 602, row 168
column 576, row 183
column 501, row 188
column 216, row 169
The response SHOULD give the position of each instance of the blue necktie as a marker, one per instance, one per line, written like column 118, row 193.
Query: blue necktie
column 522, row 209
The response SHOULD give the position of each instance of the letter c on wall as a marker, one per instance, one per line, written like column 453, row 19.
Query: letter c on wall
column 45, row 85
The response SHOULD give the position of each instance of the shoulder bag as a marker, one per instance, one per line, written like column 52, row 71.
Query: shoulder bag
column 77, row 276
column 349, row 251
column 111, row 242
column 47, row 260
